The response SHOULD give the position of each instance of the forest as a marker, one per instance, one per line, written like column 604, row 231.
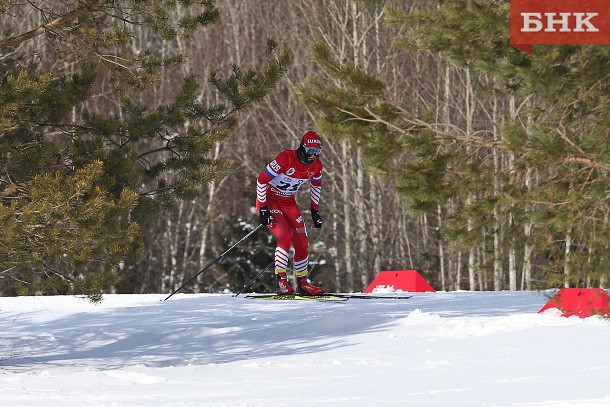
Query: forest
column 132, row 133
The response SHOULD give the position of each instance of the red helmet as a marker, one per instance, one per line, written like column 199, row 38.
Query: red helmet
column 311, row 144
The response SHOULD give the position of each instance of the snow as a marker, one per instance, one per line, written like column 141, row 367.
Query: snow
column 434, row 349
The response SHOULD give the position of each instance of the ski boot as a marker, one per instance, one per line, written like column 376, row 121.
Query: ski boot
column 305, row 288
column 283, row 287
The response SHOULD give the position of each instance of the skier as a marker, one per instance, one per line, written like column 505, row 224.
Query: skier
column 276, row 187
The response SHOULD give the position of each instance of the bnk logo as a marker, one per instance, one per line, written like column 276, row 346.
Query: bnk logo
column 563, row 22
column 559, row 22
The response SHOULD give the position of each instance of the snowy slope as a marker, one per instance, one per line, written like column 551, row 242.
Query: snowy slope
column 434, row 349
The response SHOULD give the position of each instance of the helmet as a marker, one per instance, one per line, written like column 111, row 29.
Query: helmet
column 311, row 144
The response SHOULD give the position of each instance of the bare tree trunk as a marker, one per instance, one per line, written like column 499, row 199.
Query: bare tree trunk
column 347, row 225
column 471, row 267
column 376, row 225
column 482, row 275
column 441, row 250
column 470, row 199
column 405, row 231
column 167, row 279
column 207, row 213
column 172, row 249
column 363, row 219
column 512, row 261
column 458, row 274
column 567, row 267
column 496, row 215
column 512, row 251
column 528, row 248
column 188, row 226
column 334, row 254
column 527, row 256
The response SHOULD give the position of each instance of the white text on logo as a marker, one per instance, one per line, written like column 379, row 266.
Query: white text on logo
column 533, row 22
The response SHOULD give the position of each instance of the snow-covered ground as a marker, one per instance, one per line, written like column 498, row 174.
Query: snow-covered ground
column 434, row 349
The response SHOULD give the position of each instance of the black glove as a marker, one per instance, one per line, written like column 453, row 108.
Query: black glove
column 265, row 215
column 317, row 219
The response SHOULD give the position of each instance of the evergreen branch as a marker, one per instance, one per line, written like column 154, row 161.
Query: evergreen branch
column 53, row 272
column 584, row 158
column 158, row 190
column 5, row 271
column 591, row 162
column 24, row 282
column 51, row 25
column 469, row 139
column 167, row 147
column 113, row 61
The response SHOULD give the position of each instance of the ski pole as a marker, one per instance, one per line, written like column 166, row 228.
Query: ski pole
column 255, row 278
column 214, row 261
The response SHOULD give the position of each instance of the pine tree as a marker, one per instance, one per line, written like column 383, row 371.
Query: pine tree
column 83, row 161
column 544, row 164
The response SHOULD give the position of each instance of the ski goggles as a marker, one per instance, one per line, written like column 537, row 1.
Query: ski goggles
column 312, row 151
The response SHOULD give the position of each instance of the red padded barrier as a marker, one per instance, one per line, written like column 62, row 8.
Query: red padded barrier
column 582, row 302
column 399, row 280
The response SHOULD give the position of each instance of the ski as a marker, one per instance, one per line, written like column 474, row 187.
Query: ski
column 284, row 297
column 328, row 297
column 363, row 296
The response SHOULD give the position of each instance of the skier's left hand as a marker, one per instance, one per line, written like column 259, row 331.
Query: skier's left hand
column 317, row 219
column 265, row 216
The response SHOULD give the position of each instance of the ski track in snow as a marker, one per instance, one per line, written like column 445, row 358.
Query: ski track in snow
column 434, row 349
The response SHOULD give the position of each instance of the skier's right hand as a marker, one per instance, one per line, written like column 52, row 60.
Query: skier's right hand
column 265, row 216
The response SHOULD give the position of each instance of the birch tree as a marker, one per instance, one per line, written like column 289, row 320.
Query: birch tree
column 76, row 81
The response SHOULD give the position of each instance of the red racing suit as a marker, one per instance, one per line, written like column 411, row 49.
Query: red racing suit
column 276, row 187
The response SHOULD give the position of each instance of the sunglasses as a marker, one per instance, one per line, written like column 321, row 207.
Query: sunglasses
column 313, row 151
